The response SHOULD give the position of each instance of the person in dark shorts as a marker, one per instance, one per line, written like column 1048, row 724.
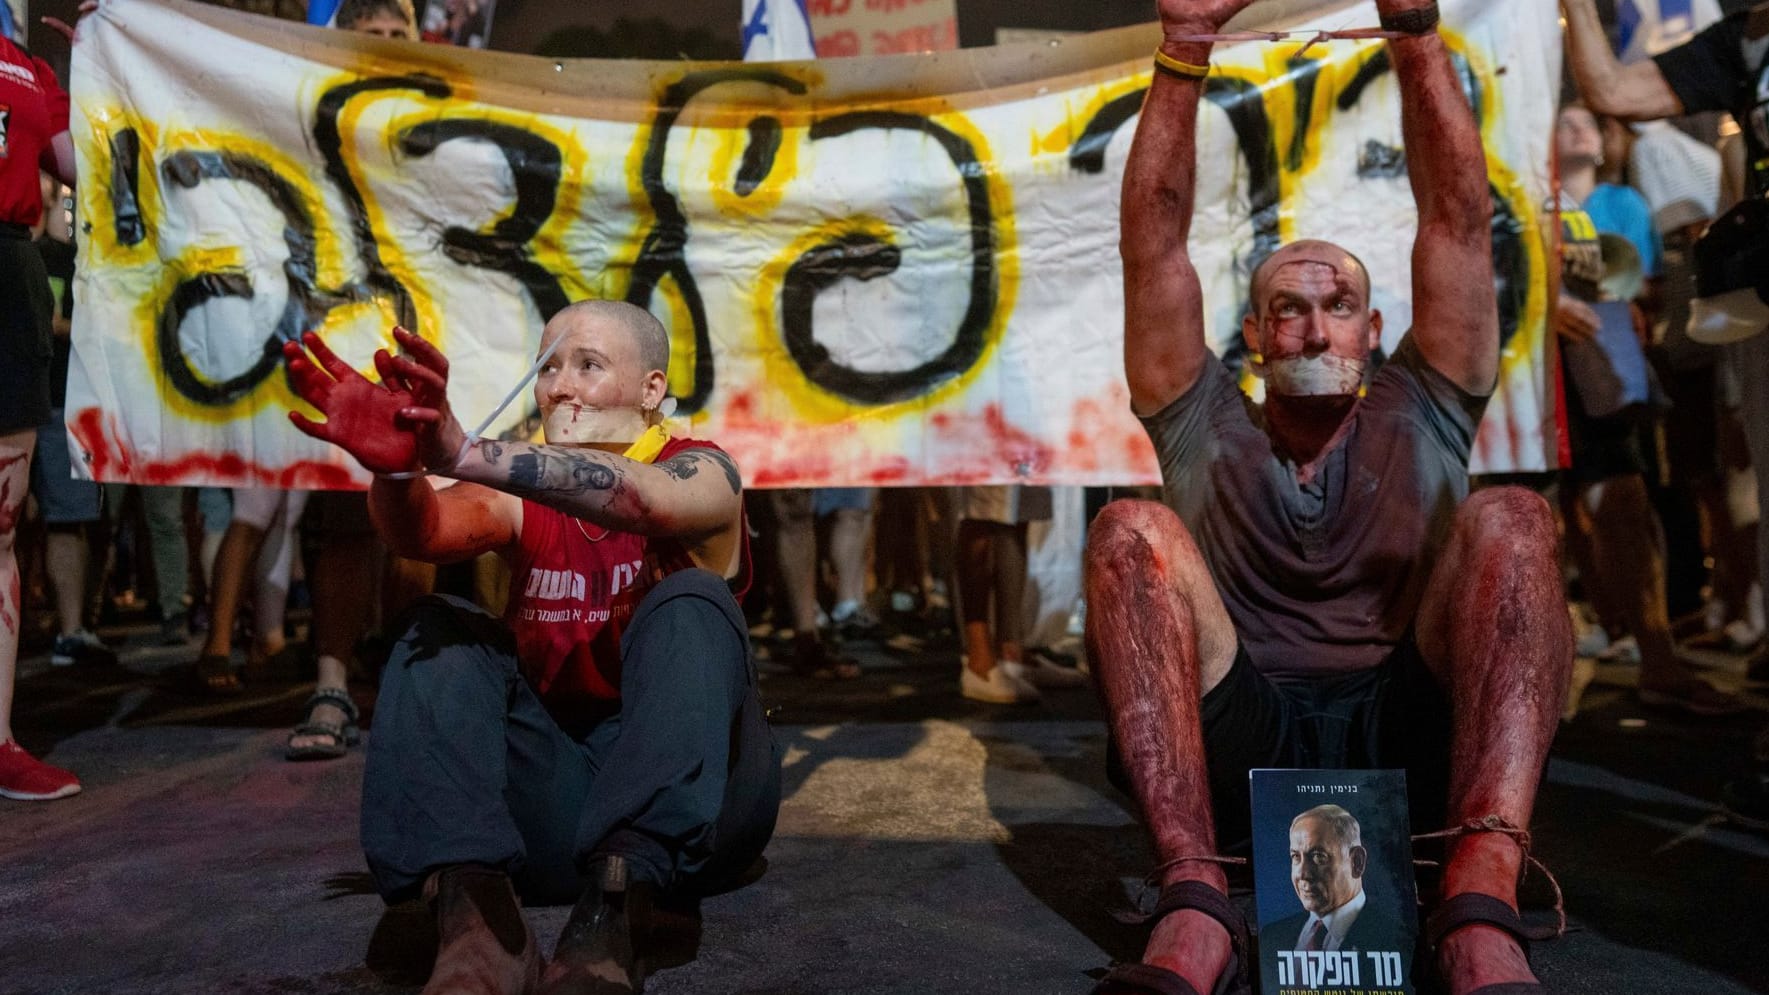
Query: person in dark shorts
column 33, row 137
column 1319, row 589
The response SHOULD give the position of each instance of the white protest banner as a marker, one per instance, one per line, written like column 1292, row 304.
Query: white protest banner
column 895, row 270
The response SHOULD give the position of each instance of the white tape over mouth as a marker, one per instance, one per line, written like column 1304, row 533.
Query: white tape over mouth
column 1314, row 376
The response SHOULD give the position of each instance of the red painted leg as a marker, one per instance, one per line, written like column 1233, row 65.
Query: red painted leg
column 15, row 480
column 1494, row 629
column 1158, row 637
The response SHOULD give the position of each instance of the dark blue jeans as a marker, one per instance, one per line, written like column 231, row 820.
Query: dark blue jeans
column 465, row 765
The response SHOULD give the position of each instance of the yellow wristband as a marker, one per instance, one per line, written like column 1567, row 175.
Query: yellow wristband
column 1184, row 70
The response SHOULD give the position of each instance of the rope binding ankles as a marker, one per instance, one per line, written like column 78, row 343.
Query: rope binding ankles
column 1498, row 824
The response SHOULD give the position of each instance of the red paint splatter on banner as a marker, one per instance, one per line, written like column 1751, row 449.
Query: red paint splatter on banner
column 96, row 436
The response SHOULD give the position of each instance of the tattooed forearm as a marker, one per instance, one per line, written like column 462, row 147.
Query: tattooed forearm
column 542, row 473
column 609, row 490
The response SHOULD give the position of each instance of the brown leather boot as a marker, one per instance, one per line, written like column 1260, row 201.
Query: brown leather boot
column 597, row 953
column 486, row 947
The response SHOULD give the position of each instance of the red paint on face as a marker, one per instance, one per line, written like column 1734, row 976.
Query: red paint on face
column 1313, row 306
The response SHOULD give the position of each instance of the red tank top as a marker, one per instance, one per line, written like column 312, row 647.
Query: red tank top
column 573, row 589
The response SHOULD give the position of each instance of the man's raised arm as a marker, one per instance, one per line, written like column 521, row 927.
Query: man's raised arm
column 1164, row 346
column 1455, row 306
column 1636, row 92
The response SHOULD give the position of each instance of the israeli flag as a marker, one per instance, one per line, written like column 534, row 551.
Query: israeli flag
column 1647, row 27
column 777, row 31
column 10, row 25
column 322, row 12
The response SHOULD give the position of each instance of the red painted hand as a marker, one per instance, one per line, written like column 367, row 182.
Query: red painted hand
column 424, row 371
column 362, row 417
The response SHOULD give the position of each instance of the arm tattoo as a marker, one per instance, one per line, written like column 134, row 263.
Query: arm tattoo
column 492, row 451
column 687, row 464
column 553, row 472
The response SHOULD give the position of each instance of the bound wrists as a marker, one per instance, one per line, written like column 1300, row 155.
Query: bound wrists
column 1416, row 20
column 1176, row 44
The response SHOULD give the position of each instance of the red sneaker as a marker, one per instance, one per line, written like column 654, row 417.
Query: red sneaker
column 26, row 778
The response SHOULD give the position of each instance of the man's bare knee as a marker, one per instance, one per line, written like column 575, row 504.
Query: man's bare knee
column 1141, row 531
column 1508, row 523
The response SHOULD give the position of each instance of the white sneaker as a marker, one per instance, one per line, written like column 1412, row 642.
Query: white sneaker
column 1041, row 673
column 999, row 688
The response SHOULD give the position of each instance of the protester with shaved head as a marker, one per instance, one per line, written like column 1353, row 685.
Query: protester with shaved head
column 1319, row 589
column 602, row 742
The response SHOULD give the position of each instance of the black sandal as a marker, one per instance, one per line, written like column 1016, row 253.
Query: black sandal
column 1196, row 896
column 1474, row 909
column 343, row 735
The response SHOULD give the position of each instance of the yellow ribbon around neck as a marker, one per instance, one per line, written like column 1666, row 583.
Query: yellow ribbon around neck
column 649, row 445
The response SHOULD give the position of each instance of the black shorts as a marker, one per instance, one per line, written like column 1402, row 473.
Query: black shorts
column 25, row 305
column 1393, row 716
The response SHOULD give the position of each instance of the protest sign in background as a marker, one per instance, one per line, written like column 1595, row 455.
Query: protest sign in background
column 889, row 270
column 883, row 27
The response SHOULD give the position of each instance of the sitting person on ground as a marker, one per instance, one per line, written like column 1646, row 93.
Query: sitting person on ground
column 604, row 741
column 1319, row 589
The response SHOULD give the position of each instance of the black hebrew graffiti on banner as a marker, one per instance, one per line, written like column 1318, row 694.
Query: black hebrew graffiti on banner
column 893, row 270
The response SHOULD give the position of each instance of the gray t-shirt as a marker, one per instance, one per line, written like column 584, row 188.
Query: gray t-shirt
column 1324, row 578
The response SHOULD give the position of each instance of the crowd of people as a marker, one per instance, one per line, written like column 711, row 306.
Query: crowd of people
column 1249, row 615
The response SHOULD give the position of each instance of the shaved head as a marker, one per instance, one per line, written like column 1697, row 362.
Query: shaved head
column 1307, row 250
column 646, row 332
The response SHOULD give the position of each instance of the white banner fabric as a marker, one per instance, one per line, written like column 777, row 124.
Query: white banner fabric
column 895, row 270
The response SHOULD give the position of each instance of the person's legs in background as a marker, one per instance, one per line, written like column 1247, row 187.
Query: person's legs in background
column 215, row 512
column 850, row 513
column 344, row 575
column 902, row 562
column 270, row 657
column 796, row 542
column 986, row 532
column 70, row 509
column 164, row 508
column 254, row 511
